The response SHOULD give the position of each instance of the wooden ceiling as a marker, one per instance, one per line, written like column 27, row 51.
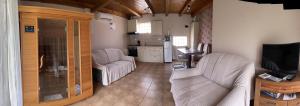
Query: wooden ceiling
column 128, row 8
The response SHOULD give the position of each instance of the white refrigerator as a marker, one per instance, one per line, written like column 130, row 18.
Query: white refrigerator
column 168, row 51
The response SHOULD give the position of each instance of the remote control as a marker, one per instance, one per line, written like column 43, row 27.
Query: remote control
column 290, row 77
column 272, row 78
column 264, row 75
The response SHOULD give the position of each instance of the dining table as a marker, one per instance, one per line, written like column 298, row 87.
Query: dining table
column 189, row 52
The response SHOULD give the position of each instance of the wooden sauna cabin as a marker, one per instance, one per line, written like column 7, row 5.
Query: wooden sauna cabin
column 56, row 56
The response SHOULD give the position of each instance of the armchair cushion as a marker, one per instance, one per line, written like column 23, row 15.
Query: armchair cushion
column 197, row 91
column 129, row 58
column 179, row 74
column 115, row 65
column 100, row 57
column 219, row 79
column 224, row 68
column 114, row 54
column 126, row 66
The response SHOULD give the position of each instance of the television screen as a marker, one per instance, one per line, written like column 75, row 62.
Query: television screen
column 281, row 57
column 291, row 4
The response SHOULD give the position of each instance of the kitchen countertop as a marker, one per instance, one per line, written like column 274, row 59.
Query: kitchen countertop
column 151, row 46
column 145, row 46
column 152, row 53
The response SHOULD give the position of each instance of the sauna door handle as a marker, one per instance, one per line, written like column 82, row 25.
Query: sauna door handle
column 41, row 61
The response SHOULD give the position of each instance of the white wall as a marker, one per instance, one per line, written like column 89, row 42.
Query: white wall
column 242, row 27
column 103, row 36
column 173, row 23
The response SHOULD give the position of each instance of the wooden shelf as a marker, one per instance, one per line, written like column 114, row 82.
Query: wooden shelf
column 280, row 98
column 284, row 87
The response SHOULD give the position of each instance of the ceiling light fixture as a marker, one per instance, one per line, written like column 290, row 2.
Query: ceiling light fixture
column 147, row 10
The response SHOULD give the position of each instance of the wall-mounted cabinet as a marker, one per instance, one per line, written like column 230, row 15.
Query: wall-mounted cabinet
column 132, row 25
column 156, row 28
column 56, row 56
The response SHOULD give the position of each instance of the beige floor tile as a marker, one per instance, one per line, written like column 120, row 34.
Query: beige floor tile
column 83, row 103
column 151, row 102
column 102, row 103
column 124, row 103
column 148, row 85
column 92, row 99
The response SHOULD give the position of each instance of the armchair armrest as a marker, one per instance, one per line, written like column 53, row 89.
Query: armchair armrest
column 100, row 67
column 129, row 58
column 103, row 68
column 240, row 94
column 236, row 97
column 184, row 73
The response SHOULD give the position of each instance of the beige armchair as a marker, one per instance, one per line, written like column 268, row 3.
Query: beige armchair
column 113, row 64
column 218, row 79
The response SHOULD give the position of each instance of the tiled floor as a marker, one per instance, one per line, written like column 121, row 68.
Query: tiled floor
column 52, row 85
column 148, row 85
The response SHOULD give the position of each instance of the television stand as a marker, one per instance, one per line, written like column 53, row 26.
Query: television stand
column 284, row 87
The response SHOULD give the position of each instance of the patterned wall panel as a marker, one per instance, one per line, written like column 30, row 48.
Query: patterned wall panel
column 205, row 21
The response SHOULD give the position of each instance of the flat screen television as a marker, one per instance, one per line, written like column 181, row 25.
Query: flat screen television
column 291, row 4
column 282, row 58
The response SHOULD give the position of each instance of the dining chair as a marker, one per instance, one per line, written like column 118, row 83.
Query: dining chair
column 205, row 48
column 180, row 62
column 199, row 47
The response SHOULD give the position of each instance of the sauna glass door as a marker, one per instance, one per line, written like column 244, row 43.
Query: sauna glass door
column 52, row 50
column 77, row 58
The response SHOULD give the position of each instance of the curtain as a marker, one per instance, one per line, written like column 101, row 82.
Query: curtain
column 10, row 73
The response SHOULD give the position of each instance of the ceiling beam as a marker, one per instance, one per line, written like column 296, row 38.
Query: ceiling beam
column 102, row 5
column 127, row 8
column 204, row 4
column 167, row 5
column 186, row 3
column 150, row 6
column 113, row 12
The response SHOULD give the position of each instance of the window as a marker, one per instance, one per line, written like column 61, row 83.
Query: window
column 144, row 27
column 179, row 40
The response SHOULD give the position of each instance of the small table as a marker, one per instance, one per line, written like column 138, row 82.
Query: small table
column 189, row 53
column 278, row 87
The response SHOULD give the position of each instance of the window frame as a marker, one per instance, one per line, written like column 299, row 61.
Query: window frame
column 174, row 41
column 144, row 28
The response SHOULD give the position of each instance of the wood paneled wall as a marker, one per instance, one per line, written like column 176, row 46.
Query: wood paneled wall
column 29, row 59
column 85, row 53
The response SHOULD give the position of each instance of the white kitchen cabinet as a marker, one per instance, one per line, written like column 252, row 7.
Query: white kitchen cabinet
column 156, row 28
column 132, row 25
column 150, row 54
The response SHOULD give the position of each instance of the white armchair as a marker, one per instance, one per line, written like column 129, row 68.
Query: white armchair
column 218, row 79
column 113, row 64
